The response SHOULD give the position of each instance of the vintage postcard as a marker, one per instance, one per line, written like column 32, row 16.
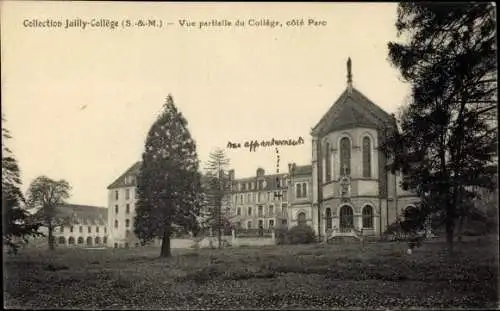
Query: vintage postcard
column 217, row 155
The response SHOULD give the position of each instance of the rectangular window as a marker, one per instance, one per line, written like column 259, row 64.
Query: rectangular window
column 268, row 196
column 97, row 229
column 90, row 229
column 271, row 223
column 249, row 211
column 71, row 229
column 136, row 194
column 249, row 225
column 81, row 229
column 285, row 198
column 259, row 198
column 261, row 211
column 127, row 208
column 105, row 229
column 116, row 209
column 62, row 229
column 127, row 194
column 284, row 221
column 116, row 195
column 241, row 198
column 271, row 211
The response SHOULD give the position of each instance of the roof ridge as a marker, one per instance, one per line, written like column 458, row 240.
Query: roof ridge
column 112, row 185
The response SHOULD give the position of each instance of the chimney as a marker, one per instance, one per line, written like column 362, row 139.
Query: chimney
column 260, row 172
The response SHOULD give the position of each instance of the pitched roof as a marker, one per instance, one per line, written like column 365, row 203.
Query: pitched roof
column 352, row 109
column 76, row 213
column 301, row 170
column 120, row 181
column 89, row 215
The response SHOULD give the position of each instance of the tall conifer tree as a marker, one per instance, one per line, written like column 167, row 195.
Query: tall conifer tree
column 169, row 185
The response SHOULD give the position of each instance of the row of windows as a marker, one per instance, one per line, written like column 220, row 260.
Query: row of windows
column 260, row 210
column 71, row 240
column 80, row 229
column 345, row 158
column 259, row 185
column 127, row 223
column 301, row 221
column 347, row 217
column 127, row 194
column 257, row 197
column 127, row 209
column 261, row 224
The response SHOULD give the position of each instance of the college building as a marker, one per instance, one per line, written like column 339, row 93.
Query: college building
column 273, row 200
column 78, row 226
column 352, row 187
column 346, row 187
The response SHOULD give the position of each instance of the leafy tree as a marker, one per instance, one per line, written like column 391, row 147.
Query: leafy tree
column 16, row 225
column 169, row 183
column 217, row 189
column 446, row 146
column 45, row 195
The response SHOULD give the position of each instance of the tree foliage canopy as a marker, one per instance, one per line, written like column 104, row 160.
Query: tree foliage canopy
column 45, row 195
column 447, row 142
column 169, row 183
column 15, row 224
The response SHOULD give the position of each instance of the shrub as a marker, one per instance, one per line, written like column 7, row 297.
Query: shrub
column 300, row 235
column 280, row 235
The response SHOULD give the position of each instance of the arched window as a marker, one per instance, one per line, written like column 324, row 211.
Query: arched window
column 345, row 156
column 89, row 240
column 304, row 190
column 116, row 223
column 105, row 240
column 367, row 157
column 301, row 219
column 328, row 218
column 328, row 163
column 80, row 240
column 97, row 240
column 62, row 240
column 71, row 240
column 368, row 217
column 298, row 191
column 127, row 223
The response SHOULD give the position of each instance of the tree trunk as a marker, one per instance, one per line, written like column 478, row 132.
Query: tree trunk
column 450, row 232
column 51, row 237
column 460, row 229
column 165, row 244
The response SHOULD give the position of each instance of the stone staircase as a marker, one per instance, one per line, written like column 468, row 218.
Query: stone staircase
column 344, row 235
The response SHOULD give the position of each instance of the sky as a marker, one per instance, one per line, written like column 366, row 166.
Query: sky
column 79, row 102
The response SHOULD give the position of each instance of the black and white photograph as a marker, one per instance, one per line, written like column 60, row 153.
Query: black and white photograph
column 249, row 155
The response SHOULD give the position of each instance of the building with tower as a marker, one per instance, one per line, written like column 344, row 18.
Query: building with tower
column 352, row 188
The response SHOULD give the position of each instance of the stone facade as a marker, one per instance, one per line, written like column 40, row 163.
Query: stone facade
column 271, row 201
column 351, row 184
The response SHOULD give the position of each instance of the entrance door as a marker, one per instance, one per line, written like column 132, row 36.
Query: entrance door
column 346, row 218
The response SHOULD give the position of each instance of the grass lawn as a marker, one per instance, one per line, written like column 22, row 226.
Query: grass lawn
column 380, row 275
